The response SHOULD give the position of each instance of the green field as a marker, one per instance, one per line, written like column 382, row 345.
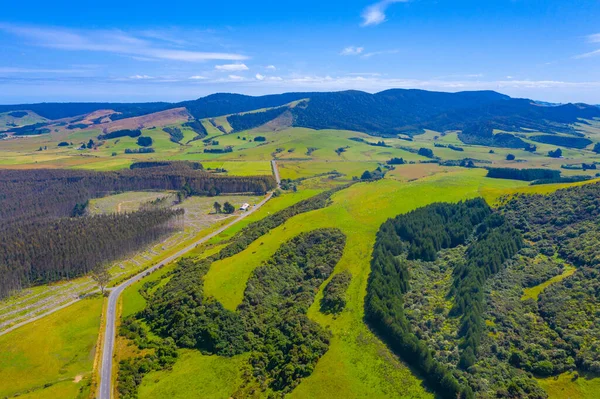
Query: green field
column 47, row 356
column 566, row 386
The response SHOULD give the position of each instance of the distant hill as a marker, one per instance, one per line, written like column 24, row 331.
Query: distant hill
column 475, row 114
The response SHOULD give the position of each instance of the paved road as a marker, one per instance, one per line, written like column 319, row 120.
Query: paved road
column 276, row 171
column 111, row 313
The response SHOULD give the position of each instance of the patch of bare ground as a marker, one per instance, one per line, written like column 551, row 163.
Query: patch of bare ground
column 283, row 121
column 157, row 119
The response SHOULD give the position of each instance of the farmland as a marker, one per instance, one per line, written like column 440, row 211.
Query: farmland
column 406, row 172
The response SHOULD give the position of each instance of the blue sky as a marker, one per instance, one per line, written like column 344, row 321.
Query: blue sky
column 152, row 51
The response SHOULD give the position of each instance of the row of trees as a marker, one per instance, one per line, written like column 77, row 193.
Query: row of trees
column 240, row 122
column 522, row 174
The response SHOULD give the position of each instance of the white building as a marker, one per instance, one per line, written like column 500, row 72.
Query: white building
column 245, row 207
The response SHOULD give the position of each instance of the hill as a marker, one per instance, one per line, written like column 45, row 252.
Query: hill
column 475, row 114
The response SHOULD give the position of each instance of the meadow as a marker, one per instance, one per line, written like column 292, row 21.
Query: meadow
column 52, row 356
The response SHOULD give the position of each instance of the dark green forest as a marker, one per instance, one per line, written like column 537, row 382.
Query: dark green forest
column 447, row 283
column 241, row 122
column 49, row 250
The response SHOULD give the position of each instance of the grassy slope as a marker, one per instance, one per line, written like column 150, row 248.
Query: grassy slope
column 564, row 387
column 56, row 348
column 357, row 363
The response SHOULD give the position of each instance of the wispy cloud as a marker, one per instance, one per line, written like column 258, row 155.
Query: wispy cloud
column 141, row 77
column 231, row 67
column 375, row 13
column 260, row 77
column 382, row 52
column 588, row 55
column 351, row 50
column 594, row 38
column 460, row 76
column 197, row 77
column 111, row 41
column 40, row 70
column 236, row 77
column 271, row 67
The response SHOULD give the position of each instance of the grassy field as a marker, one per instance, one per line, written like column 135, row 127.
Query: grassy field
column 566, row 386
column 290, row 145
column 196, row 376
column 7, row 121
column 534, row 292
column 57, row 349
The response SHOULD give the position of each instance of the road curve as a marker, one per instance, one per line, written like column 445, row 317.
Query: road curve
column 111, row 312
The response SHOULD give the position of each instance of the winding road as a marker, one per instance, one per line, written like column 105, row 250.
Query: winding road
column 108, row 346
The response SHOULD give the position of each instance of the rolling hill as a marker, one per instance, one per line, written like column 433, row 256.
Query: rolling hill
column 476, row 115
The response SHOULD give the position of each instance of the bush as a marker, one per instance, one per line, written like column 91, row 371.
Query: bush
column 555, row 154
column 425, row 152
column 334, row 294
column 144, row 141
column 510, row 157
column 228, row 208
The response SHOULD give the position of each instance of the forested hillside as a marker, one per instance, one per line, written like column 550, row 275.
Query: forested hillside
column 388, row 113
column 451, row 292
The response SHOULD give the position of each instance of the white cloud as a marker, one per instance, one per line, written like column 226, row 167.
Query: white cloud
column 110, row 41
column 375, row 13
column 141, row 77
column 594, row 38
column 351, row 50
column 271, row 67
column 235, row 77
column 197, row 77
column 260, row 77
column 383, row 52
column 232, row 67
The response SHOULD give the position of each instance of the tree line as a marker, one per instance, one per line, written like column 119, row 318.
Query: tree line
column 26, row 195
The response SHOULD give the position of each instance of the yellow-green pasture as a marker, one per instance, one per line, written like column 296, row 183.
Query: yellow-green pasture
column 53, row 355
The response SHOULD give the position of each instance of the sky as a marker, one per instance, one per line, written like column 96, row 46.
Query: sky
column 133, row 51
